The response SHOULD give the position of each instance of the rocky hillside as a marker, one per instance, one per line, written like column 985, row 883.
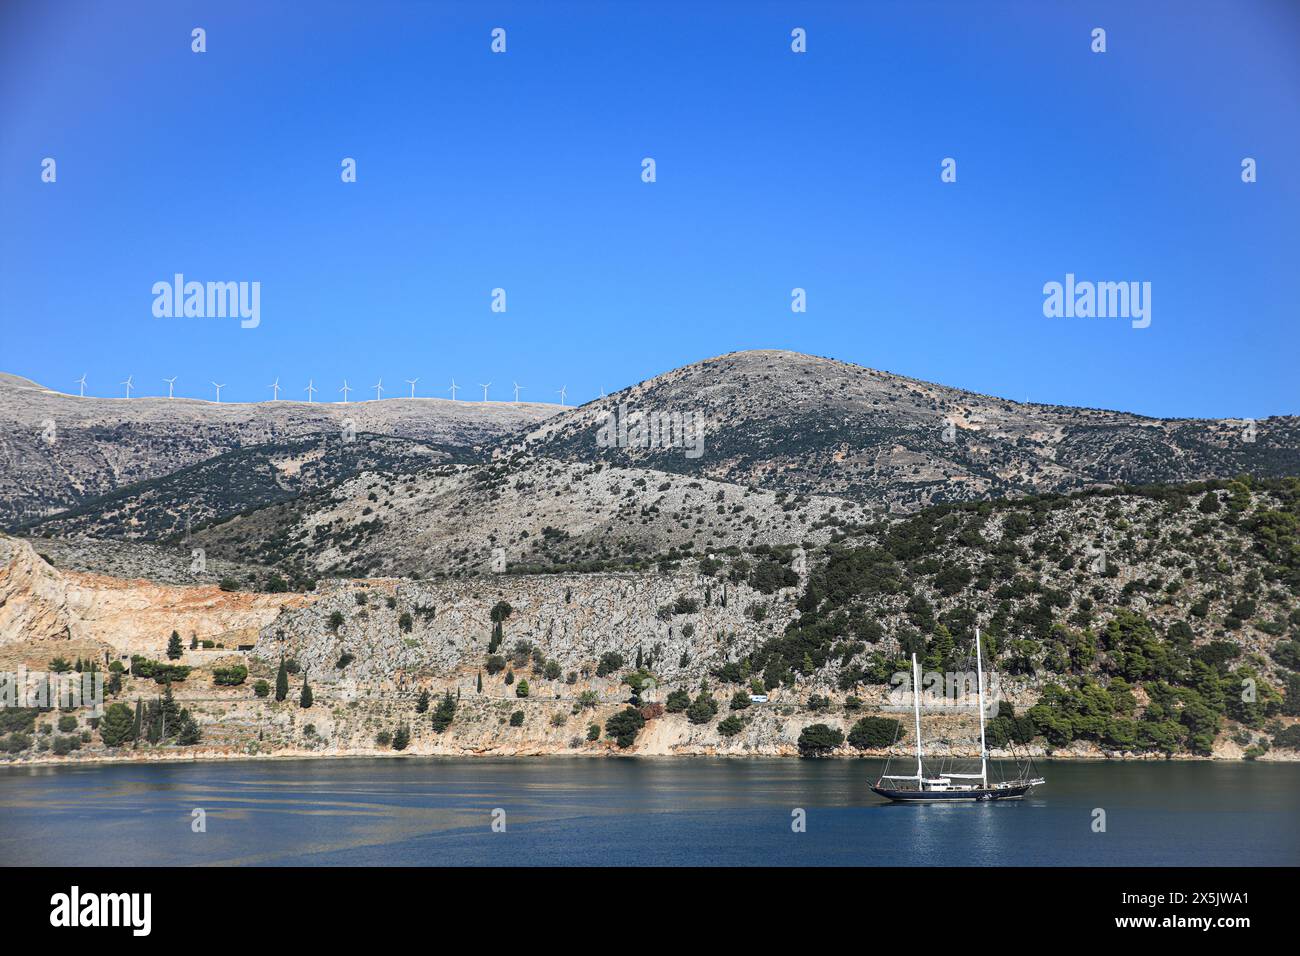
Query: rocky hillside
column 808, row 425
column 540, row 514
column 214, row 490
column 58, row 450
column 1158, row 621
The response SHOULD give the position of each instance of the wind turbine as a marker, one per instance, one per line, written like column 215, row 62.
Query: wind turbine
column 170, row 382
column 454, row 386
column 219, row 388
column 562, row 392
column 485, row 388
column 127, row 383
column 275, row 389
column 379, row 390
column 345, row 391
column 411, row 382
column 310, row 390
column 82, row 382
column 517, row 388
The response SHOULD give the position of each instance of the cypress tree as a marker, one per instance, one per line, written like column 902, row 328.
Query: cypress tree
column 306, row 699
column 281, row 682
column 137, row 725
column 153, row 721
column 170, row 712
column 174, row 647
column 479, row 687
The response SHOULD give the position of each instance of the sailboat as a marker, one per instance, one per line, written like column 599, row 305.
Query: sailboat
column 948, row 787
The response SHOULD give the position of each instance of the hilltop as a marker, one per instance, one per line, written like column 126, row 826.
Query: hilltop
column 58, row 451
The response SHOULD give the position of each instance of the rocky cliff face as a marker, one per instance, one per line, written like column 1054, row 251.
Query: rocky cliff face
column 47, row 612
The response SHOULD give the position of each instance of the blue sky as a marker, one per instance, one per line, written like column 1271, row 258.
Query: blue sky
column 775, row 170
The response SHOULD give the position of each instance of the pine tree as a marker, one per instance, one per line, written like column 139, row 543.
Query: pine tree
column 171, row 715
column 281, row 682
column 401, row 737
column 422, row 702
column 174, row 647
column 187, row 730
column 115, row 727
column 444, row 713
column 305, row 700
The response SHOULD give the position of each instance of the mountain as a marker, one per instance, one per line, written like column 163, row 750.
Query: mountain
column 57, row 450
column 783, row 421
column 218, row 488
column 790, row 446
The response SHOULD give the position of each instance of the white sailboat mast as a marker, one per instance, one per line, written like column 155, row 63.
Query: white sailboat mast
column 979, row 686
column 916, row 708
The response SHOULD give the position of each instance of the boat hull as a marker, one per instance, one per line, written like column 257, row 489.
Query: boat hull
column 979, row 795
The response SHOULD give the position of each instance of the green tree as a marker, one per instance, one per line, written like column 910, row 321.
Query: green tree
column 422, row 702
column 817, row 740
column 444, row 713
column 730, row 726
column 677, row 702
column 174, row 650
column 873, row 733
column 703, row 709
column 187, row 730
column 281, row 682
column 521, row 690
column 624, row 726
column 401, row 737
column 262, row 689
column 305, row 698
column 115, row 728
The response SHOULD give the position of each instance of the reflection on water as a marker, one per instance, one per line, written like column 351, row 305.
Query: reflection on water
column 648, row 812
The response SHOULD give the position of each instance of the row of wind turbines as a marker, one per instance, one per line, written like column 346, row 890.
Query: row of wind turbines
column 311, row 389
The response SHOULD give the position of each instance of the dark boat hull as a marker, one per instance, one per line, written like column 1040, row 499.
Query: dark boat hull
column 978, row 795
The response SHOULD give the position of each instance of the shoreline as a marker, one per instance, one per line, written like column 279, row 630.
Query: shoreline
column 218, row 757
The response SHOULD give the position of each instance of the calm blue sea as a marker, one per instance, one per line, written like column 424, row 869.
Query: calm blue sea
column 423, row 811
